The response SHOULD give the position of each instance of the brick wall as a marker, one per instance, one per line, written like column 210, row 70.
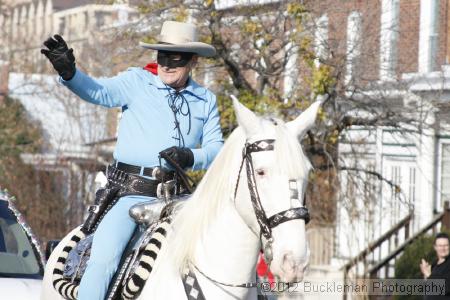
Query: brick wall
column 408, row 41
column 338, row 13
column 443, row 53
column 408, row 35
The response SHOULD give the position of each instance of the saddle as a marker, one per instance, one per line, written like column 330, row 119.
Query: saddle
column 137, row 261
column 153, row 219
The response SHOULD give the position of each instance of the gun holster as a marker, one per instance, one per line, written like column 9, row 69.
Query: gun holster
column 103, row 198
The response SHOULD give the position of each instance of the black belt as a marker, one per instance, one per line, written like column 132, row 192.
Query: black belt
column 120, row 183
column 132, row 184
column 151, row 172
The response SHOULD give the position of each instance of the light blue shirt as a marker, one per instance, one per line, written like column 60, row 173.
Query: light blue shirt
column 147, row 125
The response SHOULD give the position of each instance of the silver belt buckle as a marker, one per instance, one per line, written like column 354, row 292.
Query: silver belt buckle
column 156, row 173
column 165, row 190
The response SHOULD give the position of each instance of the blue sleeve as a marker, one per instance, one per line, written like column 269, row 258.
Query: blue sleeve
column 109, row 92
column 212, row 139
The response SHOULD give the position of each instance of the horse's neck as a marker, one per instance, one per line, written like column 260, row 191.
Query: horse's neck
column 229, row 250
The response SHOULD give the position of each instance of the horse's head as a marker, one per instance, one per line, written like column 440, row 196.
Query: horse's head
column 271, row 188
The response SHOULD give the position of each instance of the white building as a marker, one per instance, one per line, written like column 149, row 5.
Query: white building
column 71, row 126
column 24, row 25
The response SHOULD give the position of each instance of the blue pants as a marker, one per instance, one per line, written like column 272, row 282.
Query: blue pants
column 110, row 240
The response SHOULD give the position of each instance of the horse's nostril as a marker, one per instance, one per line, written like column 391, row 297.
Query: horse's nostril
column 289, row 264
column 306, row 265
column 294, row 268
column 288, row 256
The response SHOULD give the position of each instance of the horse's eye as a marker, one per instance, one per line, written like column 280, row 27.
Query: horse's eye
column 260, row 172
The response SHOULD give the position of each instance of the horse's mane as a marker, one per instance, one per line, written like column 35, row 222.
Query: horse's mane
column 217, row 188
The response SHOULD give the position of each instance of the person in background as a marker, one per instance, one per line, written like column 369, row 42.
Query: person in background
column 440, row 269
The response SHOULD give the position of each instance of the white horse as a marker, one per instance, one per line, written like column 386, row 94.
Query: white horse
column 217, row 234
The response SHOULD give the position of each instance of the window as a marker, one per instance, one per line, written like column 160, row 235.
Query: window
column 434, row 35
column 17, row 255
column 321, row 39
column 353, row 44
column 208, row 75
column 412, row 185
column 445, row 173
column 3, row 29
column 235, row 49
column 389, row 38
column 15, row 23
column 429, row 35
column 224, row 4
column 261, row 64
column 291, row 70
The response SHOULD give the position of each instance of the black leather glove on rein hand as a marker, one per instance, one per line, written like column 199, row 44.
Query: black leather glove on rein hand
column 182, row 156
column 60, row 56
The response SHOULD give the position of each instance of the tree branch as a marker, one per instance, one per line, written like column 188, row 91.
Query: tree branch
column 380, row 177
column 239, row 81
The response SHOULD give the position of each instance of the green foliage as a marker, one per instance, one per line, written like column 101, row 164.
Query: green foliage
column 260, row 104
column 151, row 7
column 407, row 266
column 296, row 10
column 149, row 40
column 196, row 175
column 321, row 79
column 17, row 133
column 181, row 14
column 251, row 27
column 269, row 104
column 208, row 3
column 253, row 51
column 37, row 192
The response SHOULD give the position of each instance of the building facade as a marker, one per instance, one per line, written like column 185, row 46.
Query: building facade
column 71, row 127
column 395, row 54
column 26, row 24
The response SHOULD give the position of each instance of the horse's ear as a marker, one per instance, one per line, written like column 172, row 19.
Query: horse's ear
column 245, row 118
column 306, row 120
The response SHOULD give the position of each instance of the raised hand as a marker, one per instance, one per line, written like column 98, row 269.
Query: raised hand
column 425, row 268
column 60, row 56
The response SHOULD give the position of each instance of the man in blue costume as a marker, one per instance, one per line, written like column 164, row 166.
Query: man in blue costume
column 166, row 112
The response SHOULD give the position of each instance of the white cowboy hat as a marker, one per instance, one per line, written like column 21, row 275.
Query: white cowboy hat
column 180, row 37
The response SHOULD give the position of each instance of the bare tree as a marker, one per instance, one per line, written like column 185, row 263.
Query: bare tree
column 278, row 56
column 261, row 47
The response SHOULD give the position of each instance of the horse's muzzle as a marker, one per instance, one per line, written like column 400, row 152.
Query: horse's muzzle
column 292, row 270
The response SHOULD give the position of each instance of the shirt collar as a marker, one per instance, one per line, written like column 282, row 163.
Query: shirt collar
column 192, row 87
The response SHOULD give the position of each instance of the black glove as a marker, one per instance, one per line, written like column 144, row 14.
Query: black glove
column 60, row 56
column 182, row 156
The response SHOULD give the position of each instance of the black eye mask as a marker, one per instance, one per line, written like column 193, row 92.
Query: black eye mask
column 173, row 59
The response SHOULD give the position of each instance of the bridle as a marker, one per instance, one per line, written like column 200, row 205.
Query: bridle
column 266, row 224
